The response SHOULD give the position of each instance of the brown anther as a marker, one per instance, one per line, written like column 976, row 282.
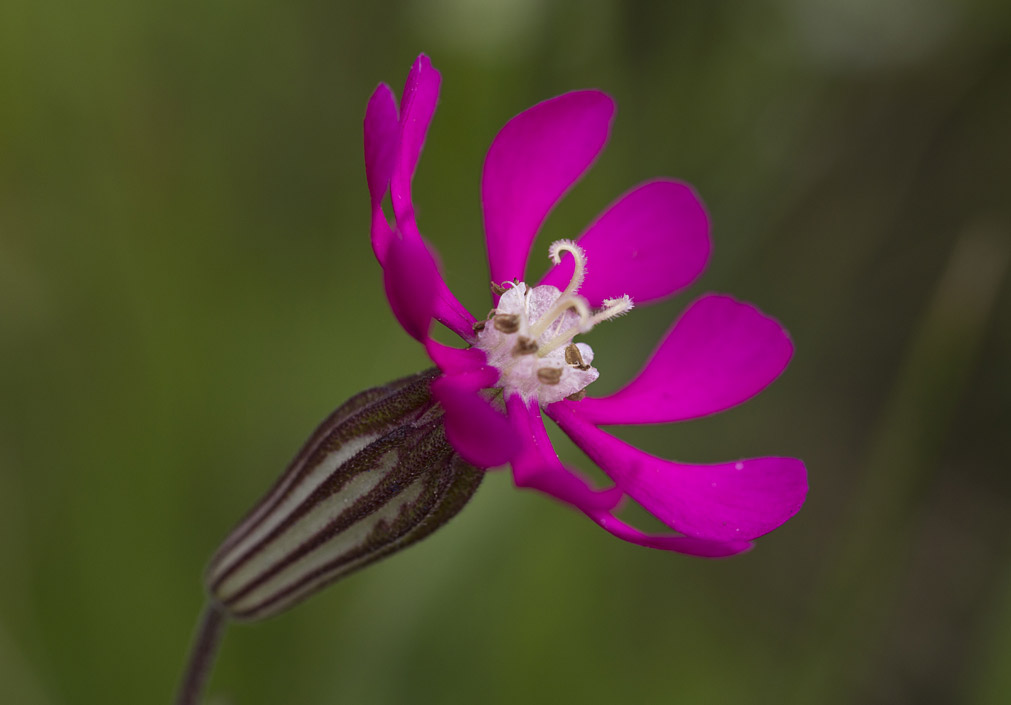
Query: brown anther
column 574, row 358
column 497, row 289
column 507, row 322
column 525, row 346
column 478, row 326
column 577, row 396
column 549, row 375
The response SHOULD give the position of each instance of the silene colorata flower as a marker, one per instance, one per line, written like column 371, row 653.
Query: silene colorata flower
column 396, row 462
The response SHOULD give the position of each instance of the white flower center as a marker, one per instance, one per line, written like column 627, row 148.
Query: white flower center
column 528, row 337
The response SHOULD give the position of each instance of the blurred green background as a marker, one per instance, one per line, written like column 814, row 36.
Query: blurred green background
column 187, row 288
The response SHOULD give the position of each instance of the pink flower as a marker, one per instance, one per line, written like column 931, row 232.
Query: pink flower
column 522, row 360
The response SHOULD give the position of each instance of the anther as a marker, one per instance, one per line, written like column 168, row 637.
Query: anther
column 525, row 346
column 577, row 396
column 574, row 358
column 478, row 326
column 549, row 375
column 497, row 289
column 506, row 322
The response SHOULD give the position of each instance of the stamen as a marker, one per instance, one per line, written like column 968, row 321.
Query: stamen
column 579, row 258
column 506, row 322
column 549, row 375
column 577, row 396
column 542, row 321
column 525, row 346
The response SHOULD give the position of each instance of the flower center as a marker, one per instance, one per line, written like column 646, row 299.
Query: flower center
column 528, row 336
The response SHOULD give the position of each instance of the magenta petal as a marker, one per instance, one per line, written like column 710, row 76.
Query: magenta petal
column 447, row 309
column 720, row 353
column 720, row 502
column 666, row 542
column 474, row 379
column 382, row 140
column 450, row 359
column 421, row 93
column 649, row 244
column 532, row 162
column 479, row 432
column 536, row 465
column 452, row 314
column 392, row 149
column 412, row 283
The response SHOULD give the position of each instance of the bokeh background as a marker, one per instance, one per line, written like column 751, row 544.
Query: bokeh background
column 187, row 288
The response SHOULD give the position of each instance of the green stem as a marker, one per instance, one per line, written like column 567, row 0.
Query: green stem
column 202, row 653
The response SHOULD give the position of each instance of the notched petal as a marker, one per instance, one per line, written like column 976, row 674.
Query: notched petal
column 740, row 500
column 720, row 353
column 533, row 161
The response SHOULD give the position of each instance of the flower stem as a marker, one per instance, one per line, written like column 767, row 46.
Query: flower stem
column 202, row 653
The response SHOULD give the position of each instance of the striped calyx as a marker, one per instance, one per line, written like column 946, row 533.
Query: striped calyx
column 376, row 476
